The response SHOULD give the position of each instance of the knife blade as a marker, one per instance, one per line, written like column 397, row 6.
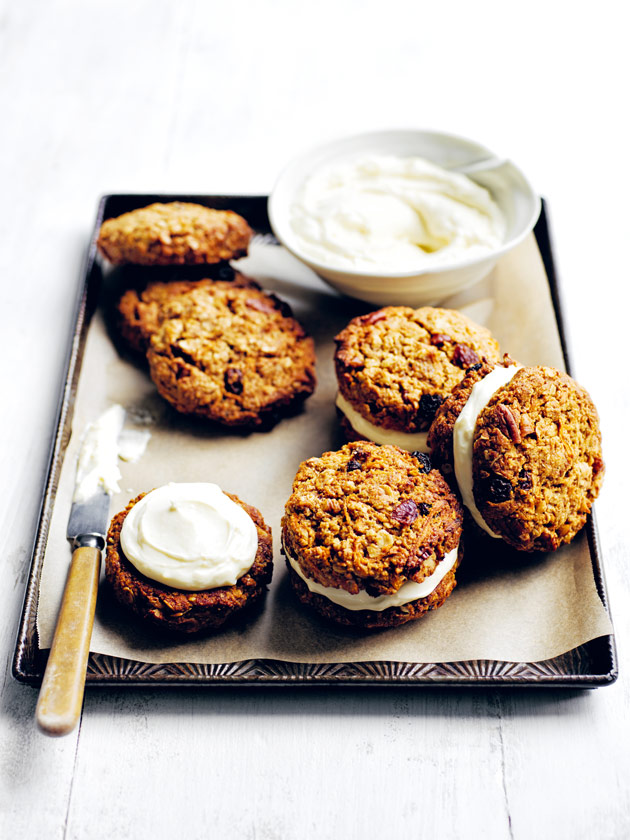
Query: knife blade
column 61, row 695
column 87, row 523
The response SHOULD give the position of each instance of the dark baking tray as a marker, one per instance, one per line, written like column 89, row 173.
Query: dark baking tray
column 588, row 666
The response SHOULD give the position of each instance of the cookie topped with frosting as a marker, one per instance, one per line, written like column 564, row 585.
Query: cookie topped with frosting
column 524, row 447
column 188, row 557
column 396, row 366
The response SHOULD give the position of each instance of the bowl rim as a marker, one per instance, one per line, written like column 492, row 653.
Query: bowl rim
column 462, row 262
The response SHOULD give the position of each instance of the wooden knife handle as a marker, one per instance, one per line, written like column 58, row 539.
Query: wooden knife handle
column 61, row 694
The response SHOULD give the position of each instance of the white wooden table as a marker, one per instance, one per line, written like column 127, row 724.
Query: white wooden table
column 152, row 95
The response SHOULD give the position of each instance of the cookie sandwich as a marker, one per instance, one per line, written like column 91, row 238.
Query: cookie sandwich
column 371, row 536
column 396, row 366
column 233, row 355
column 176, row 233
column 523, row 445
column 188, row 557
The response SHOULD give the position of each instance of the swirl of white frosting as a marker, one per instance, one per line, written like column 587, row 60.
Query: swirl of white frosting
column 189, row 536
column 394, row 213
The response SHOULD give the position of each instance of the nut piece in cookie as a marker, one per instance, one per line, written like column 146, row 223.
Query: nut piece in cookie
column 233, row 355
column 396, row 366
column 209, row 556
column 371, row 535
column 177, row 233
column 524, row 447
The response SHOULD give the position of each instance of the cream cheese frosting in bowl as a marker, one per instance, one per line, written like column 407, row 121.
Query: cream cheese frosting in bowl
column 388, row 218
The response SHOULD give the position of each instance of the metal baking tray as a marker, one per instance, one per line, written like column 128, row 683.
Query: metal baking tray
column 588, row 666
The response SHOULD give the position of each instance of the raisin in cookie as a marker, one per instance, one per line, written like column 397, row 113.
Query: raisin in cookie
column 371, row 535
column 177, row 233
column 524, row 446
column 233, row 355
column 395, row 367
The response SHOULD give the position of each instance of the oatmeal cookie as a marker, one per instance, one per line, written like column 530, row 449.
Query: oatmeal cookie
column 139, row 310
column 395, row 367
column 234, row 355
column 177, row 233
column 535, row 464
column 364, row 528
column 179, row 610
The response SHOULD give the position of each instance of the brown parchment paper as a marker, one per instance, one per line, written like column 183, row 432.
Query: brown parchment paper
column 507, row 606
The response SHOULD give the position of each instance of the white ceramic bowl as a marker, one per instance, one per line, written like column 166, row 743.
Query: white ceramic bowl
column 506, row 183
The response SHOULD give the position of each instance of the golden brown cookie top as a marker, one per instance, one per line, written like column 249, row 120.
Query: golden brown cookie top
column 537, row 459
column 370, row 517
column 140, row 310
column 232, row 354
column 396, row 365
column 177, row 233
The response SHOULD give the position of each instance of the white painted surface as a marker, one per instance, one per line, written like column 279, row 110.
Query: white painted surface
column 201, row 96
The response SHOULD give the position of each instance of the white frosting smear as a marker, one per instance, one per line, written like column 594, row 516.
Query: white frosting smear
column 395, row 213
column 464, row 432
column 189, row 536
column 97, row 466
column 409, row 591
column 413, row 441
column 132, row 444
column 104, row 442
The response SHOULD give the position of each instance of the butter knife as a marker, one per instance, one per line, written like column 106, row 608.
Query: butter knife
column 61, row 695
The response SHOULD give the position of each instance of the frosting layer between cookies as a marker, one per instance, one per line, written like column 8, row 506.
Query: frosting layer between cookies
column 409, row 591
column 189, row 536
column 464, row 432
column 412, row 441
